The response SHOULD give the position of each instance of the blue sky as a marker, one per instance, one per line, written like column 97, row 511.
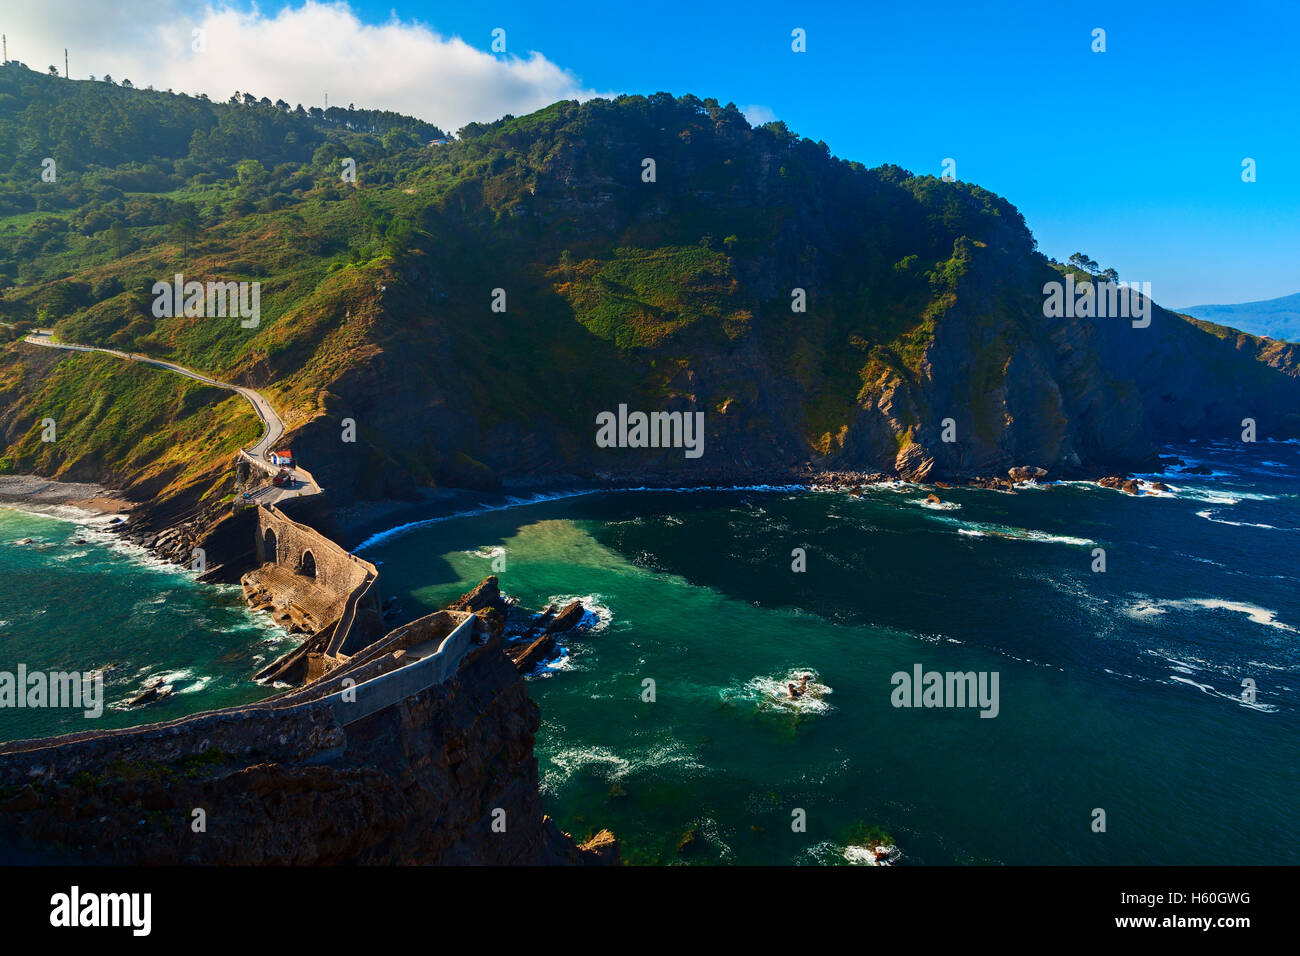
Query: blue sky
column 1132, row 156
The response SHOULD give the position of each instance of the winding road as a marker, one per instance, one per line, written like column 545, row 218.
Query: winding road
column 300, row 482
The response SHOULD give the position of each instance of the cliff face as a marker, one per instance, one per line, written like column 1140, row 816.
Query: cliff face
column 924, row 303
column 445, row 776
column 538, row 272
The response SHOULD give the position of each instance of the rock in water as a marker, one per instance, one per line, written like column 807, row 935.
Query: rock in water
column 601, row 850
column 486, row 594
column 690, row 843
column 570, row 616
column 527, row 657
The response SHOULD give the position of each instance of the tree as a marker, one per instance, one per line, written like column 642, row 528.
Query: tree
column 118, row 237
column 1081, row 261
column 250, row 172
column 184, row 222
column 1111, row 276
column 54, row 70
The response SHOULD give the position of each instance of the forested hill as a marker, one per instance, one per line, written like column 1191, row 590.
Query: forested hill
column 473, row 306
column 108, row 137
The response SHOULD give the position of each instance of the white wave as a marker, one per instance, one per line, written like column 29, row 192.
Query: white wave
column 937, row 505
column 1213, row 496
column 73, row 556
column 867, row 855
column 612, row 766
column 1256, row 614
column 562, row 661
column 544, row 497
column 1143, row 608
column 597, row 614
column 1208, row 515
column 199, row 684
column 1235, row 698
column 486, row 553
column 981, row 530
column 772, row 694
column 510, row 502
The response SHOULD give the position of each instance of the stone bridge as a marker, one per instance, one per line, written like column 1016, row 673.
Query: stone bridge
column 305, row 551
column 311, row 584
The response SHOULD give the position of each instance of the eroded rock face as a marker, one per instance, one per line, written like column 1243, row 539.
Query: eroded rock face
column 569, row 617
column 528, row 656
column 486, row 594
column 1121, row 483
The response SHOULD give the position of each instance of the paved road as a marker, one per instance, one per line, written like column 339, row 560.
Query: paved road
column 300, row 480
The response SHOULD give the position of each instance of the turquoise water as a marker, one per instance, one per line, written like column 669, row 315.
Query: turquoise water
column 1119, row 691
column 77, row 599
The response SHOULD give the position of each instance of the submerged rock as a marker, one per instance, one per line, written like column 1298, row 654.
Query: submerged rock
column 154, row 691
column 691, row 842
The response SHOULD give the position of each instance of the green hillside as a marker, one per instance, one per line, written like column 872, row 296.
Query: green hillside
column 923, row 297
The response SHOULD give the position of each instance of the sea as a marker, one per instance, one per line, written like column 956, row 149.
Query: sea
column 75, row 598
column 1143, row 654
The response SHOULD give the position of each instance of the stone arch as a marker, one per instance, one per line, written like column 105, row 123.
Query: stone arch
column 307, row 564
column 268, row 539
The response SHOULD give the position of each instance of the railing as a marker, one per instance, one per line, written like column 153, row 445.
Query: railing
column 265, row 466
column 353, row 703
column 349, row 616
column 226, row 729
column 347, row 619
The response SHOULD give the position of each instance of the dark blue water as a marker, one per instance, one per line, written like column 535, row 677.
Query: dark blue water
column 1119, row 691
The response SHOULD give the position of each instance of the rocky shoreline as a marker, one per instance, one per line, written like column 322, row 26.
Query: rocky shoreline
column 173, row 537
column 34, row 491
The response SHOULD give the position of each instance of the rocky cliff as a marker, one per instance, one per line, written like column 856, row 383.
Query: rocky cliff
column 445, row 775
column 923, row 303
column 466, row 313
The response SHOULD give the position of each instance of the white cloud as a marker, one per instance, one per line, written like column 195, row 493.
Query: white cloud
column 298, row 54
column 758, row 115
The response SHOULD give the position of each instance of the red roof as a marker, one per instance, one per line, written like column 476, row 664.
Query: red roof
column 283, row 454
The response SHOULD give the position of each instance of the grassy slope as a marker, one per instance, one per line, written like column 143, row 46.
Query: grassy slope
column 617, row 289
column 168, row 432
